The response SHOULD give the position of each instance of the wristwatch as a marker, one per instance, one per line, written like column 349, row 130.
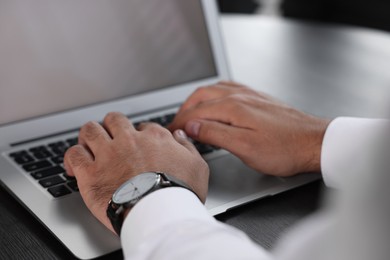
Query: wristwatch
column 133, row 190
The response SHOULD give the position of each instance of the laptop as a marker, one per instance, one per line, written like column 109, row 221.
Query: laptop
column 68, row 62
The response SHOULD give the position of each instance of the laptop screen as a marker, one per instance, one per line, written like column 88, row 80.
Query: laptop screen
column 59, row 55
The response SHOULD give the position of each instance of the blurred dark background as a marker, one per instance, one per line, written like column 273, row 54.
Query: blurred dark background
column 371, row 14
column 238, row 6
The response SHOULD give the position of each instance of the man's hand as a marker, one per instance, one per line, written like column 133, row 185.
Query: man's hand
column 265, row 134
column 110, row 154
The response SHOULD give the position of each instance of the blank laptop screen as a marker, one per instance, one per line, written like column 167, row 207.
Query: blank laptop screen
column 58, row 55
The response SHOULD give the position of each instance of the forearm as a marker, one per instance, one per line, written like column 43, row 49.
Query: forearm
column 173, row 224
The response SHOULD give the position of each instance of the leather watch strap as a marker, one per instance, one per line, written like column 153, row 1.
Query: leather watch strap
column 116, row 219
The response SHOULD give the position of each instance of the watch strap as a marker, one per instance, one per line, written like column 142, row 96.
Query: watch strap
column 176, row 182
column 115, row 218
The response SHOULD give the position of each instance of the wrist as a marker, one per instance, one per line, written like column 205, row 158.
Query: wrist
column 133, row 190
column 311, row 161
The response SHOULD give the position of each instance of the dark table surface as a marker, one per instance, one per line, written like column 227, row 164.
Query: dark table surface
column 328, row 71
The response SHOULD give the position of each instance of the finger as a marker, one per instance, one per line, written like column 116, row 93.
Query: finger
column 77, row 158
column 117, row 124
column 232, row 84
column 219, row 90
column 215, row 133
column 182, row 138
column 223, row 110
column 93, row 136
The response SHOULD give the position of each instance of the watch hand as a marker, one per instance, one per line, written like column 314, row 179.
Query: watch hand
column 137, row 191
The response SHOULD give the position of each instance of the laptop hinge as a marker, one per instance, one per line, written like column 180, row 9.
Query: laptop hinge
column 77, row 129
column 43, row 137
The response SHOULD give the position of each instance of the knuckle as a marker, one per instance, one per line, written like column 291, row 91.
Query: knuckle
column 88, row 127
column 157, row 130
column 162, row 132
column 68, row 153
column 90, row 131
column 200, row 91
column 112, row 117
column 154, row 127
column 75, row 157
column 71, row 150
column 224, row 82
column 228, row 83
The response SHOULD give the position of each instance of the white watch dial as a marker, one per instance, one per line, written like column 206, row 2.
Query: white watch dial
column 135, row 187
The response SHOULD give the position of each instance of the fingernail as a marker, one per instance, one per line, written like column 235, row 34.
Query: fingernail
column 193, row 127
column 181, row 134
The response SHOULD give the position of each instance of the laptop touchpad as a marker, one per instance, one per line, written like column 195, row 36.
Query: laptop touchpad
column 232, row 183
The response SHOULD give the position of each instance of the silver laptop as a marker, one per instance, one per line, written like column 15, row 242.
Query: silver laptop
column 64, row 63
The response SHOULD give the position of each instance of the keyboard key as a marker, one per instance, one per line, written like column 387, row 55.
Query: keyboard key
column 51, row 181
column 58, row 159
column 73, row 185
column 59, row 148
column 48, row 172
column 18, row 153
column 72, row 141
column 169, row 119
column 156, row 120
column 36, row 166
column 38, row 149
column 23, row 159
column 43, row 154
column 203, row 148
column 164, row 120
column 59, row 191
column 66, row 176
column 56, row 144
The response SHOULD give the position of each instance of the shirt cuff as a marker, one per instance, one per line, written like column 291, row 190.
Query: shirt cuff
column 346, row 146
column 158, row 209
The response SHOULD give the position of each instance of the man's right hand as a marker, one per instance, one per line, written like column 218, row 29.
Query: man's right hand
column 111, row 153
column 264, row 133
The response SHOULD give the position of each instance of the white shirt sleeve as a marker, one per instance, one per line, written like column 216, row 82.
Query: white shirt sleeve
column 354, row 222
column 173, row 224
column 345, row 148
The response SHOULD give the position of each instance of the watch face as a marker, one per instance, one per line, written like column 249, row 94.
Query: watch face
column 135, row 187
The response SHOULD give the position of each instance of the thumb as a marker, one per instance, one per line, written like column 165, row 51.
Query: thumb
column 213, row 133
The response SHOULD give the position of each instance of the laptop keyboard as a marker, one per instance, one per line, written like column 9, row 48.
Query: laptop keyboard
column 44, row 163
